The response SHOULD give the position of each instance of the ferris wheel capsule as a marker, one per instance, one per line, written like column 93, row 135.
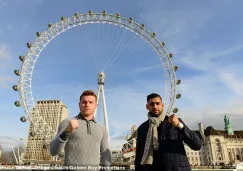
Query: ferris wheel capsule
column 23, row 119
column 118, row 15
column 76, row 14
column 130, row 20
column 17, row 103
column 163, row 44
column 29, row 45
column 104, row 13
column 15, row 87
column 90, row 12
column 38, row 34
column 170, row 55
column 178, row 82
column 175, row 110
column 142, row 26
column 21, row 57
column 153, row 34
column 175, row 68
column 178, row 96
column 50, row 25
column 17, row 72
column 62, row 18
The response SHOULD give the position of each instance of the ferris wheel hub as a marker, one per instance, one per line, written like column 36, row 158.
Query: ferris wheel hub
column 101, row 78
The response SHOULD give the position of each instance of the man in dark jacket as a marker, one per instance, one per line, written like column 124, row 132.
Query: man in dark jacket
column 160, row 140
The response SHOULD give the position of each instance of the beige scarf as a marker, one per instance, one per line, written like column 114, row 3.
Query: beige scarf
column 152, row 142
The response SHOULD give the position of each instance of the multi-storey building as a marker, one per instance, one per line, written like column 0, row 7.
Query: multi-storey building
column 116, row 156
column 52, row 112
column 219, row 146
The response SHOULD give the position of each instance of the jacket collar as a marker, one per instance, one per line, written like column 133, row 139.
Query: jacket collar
column 80, row 116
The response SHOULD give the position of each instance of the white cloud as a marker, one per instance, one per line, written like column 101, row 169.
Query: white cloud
column 25, row 26
column 117, row 140
column 4, row 52
column 232, row 78
column 175, row 26
column 140, row 70
column 39, row 1
column 8, row 142
column 9, row 27
column 5, row 65
column 203, row 58
column 207, row 97
column 5, row 80
column 3, row 3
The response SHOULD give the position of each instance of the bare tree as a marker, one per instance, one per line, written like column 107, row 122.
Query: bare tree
column 6, row 157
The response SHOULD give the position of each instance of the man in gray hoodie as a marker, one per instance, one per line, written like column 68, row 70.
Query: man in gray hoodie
column 84, row 141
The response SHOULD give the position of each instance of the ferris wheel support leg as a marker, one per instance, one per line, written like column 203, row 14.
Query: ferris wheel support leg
column 15, row 156
column 105, row 111
column 98, row 95
column 18, row 156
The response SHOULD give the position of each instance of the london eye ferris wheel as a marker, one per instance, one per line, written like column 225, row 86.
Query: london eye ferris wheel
column 35, row 48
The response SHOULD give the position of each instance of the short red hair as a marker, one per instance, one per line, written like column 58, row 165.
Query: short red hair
column 88, row 93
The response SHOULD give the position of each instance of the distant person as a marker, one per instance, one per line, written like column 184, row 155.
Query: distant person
column 213, row 164
column 160, row 140
column 84, row 141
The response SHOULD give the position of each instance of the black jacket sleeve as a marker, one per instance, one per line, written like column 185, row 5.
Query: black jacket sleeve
column 191, row 138
column 138, row 156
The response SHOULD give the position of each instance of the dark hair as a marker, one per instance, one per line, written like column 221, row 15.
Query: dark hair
column 88, row 93
column 153, row 95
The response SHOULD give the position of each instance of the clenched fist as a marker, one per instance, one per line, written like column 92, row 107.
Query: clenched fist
column 72, row 125
column 173, row 119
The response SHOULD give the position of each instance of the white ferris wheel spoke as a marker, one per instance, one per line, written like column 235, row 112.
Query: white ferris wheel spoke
column 112, row 55
column 117, row 56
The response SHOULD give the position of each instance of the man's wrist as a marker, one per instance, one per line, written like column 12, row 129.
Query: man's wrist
column 180, row 125
column 64, row 135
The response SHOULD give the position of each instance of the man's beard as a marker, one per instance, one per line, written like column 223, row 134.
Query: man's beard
column 155, row 115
